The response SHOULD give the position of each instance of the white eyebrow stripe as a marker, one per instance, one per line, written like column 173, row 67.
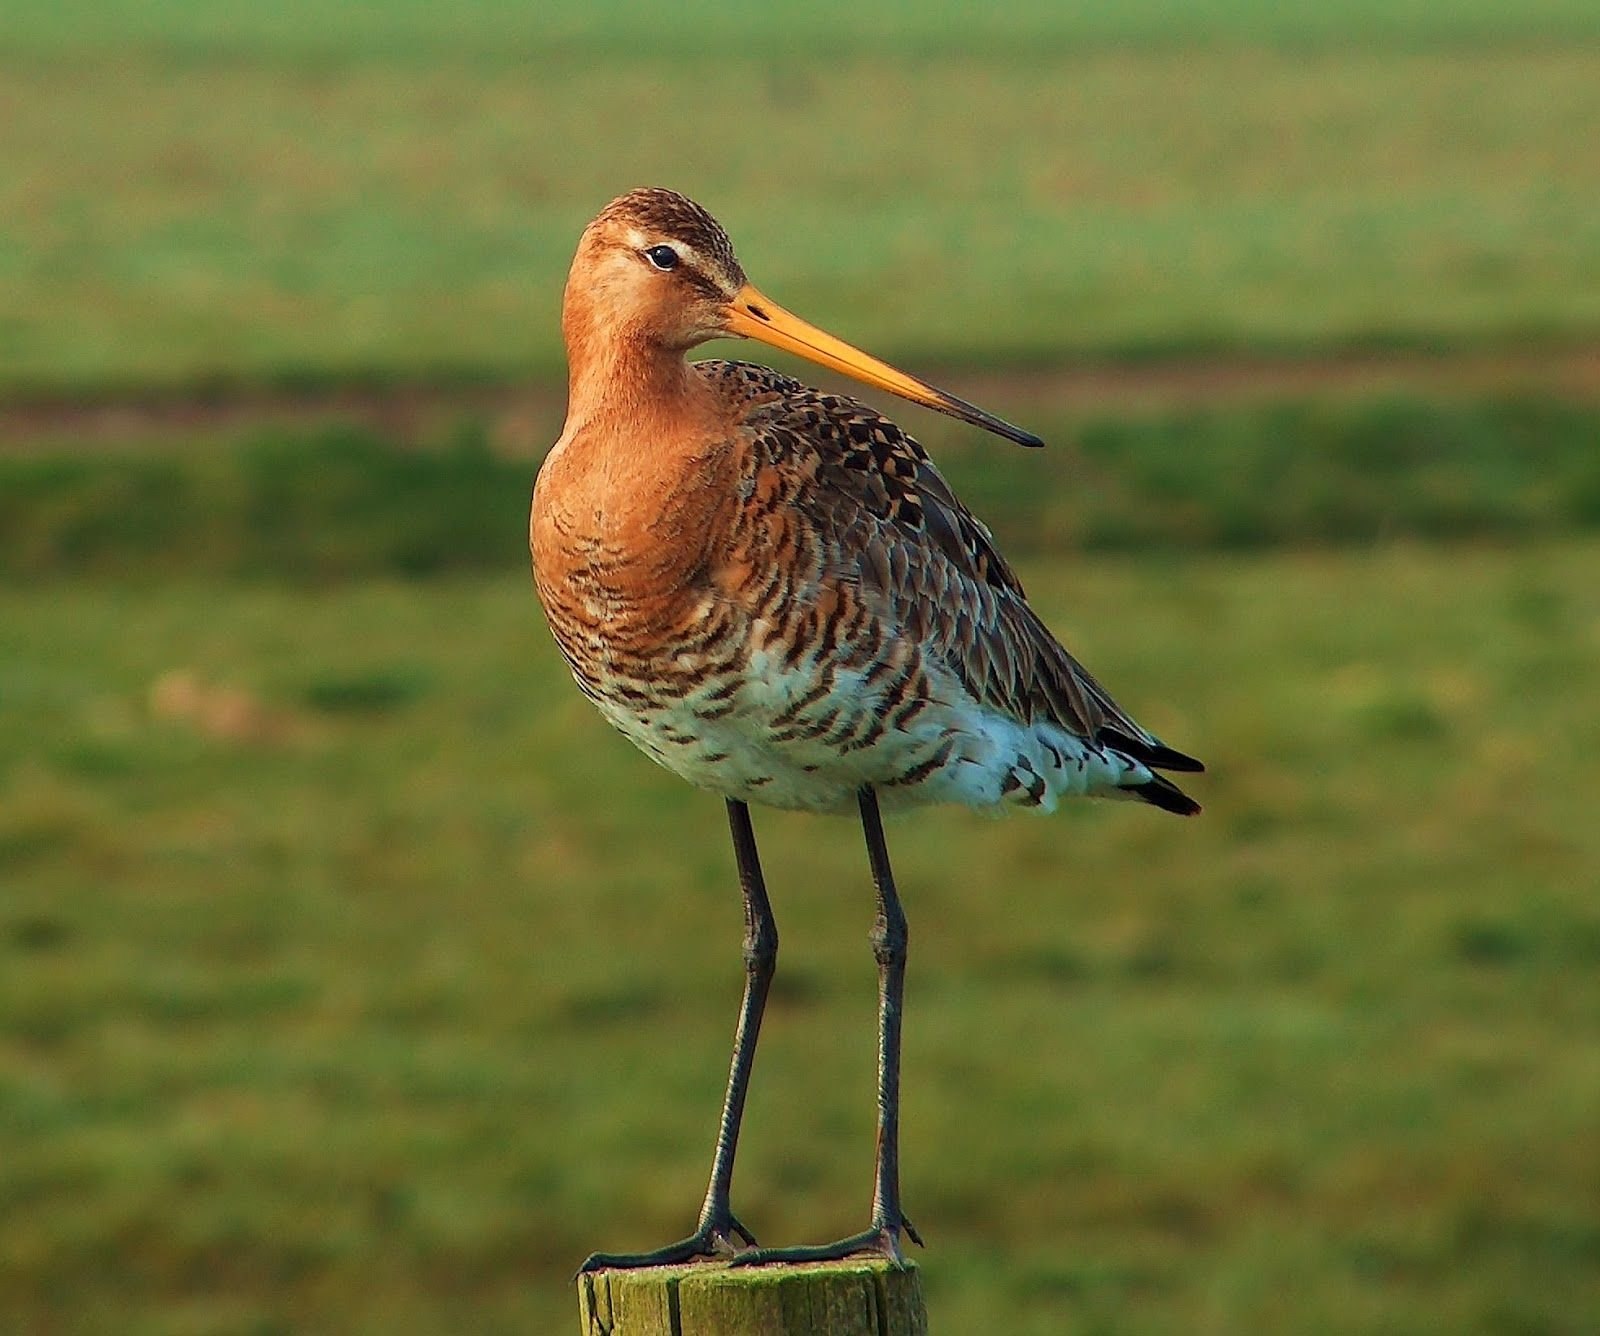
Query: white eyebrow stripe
column 640, row 241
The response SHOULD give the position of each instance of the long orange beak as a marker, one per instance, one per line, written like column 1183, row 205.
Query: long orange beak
column 752, row 316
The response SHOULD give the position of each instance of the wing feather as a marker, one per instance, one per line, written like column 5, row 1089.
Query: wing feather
column 875, row 489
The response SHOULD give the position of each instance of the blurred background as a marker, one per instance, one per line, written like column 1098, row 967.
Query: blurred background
column 354, row 977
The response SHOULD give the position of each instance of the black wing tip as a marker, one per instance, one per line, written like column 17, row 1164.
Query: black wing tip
column 1165, row 758
column 1166, row 795
column 1156, row 755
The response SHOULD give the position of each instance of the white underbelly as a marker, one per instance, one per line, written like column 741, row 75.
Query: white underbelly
column 752, row 744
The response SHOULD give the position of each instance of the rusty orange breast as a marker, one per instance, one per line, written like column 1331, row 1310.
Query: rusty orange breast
column 625, row 533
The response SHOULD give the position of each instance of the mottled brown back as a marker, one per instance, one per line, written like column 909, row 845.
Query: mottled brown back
column 887, row 509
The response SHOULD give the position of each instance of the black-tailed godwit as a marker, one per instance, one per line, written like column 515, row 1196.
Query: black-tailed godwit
column 774, row 593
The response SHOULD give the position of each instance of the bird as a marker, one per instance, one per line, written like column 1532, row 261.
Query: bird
column 773, row 592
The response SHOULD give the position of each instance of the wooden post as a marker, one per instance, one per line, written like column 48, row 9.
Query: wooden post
column 857, row 1298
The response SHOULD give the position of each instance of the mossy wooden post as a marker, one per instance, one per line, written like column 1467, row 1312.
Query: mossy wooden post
column 820, row 1299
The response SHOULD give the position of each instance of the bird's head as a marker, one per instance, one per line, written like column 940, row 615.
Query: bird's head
column 656, row 269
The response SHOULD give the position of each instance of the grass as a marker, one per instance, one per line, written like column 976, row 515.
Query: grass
column 506, row 30
column 378, row 194
column 356, row 978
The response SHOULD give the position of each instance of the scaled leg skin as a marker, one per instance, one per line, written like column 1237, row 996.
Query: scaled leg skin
column 889, row 937
column 718, row 1228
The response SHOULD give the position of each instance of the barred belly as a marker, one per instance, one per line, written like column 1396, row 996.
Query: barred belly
column 809, row 736
column 768, row 736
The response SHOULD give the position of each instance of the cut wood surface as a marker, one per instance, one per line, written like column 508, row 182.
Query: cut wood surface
column 824, row 1299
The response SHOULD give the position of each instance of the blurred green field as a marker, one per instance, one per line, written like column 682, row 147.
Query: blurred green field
column 369, row 997
column 355, row 978
column 229, row 194
column 508, row 30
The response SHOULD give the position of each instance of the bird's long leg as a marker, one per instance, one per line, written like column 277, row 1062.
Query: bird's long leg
column 717, row 1228
column 889, row 938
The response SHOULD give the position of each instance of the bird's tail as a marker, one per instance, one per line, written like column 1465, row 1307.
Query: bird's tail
column 1161, row 792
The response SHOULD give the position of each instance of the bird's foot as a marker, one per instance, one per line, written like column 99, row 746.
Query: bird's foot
column 716, row 1238
column 882, row 1240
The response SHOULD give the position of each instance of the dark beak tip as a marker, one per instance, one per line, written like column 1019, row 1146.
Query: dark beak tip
column 960, row 408
column 1020, row 435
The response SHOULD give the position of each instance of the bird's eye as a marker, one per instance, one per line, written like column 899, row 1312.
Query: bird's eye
column 663, row 257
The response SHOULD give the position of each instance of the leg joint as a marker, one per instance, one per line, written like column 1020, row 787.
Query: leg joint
column 889, row 938
column 761, row 946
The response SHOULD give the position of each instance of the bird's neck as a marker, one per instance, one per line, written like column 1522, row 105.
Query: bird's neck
column 618, row 377
column 641, row 461
column 626, row 381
